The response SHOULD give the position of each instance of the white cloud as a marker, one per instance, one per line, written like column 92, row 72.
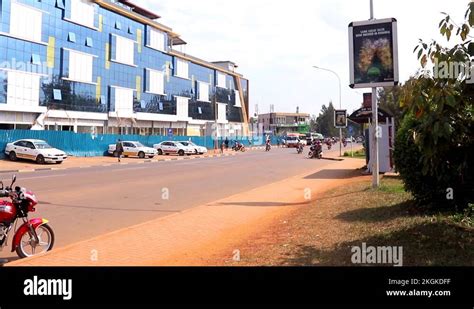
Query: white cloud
column 275, row 43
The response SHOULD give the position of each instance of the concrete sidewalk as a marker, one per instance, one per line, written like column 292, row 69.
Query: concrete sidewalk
column 188, row 237
column 7, row 166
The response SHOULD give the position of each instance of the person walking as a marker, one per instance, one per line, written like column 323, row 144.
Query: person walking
column 119, row 150
column 226, row 142
column 222, row 147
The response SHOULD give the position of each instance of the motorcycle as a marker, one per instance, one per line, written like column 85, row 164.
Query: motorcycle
column 239, row 147
column 316, row 151
column 300, row 149
column 268, row 147
column 33, row 234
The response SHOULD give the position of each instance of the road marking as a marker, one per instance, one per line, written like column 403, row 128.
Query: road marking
column 26, row 171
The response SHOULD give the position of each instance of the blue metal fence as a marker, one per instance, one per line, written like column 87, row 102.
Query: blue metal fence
column 88, row 145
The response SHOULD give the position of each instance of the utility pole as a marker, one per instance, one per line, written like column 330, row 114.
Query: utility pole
column 375, row 122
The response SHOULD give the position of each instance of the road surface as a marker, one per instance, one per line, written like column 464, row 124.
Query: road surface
column 84, row 203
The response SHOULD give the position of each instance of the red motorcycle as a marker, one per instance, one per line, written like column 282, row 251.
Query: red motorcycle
column 35, row 236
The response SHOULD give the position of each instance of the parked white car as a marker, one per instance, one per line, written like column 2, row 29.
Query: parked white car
column 167, row 148
column 35, row 150
column 133, row 149
column 197, row 149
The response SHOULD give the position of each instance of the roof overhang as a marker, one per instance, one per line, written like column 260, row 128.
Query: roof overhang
column 135, row 16
column 140, row 10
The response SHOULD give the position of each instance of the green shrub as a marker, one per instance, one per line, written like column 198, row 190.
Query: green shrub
column 430, row 188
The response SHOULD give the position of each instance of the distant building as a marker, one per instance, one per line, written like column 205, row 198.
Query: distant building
column 283, row 123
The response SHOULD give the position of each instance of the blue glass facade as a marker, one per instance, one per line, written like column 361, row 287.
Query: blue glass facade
column 60, row 37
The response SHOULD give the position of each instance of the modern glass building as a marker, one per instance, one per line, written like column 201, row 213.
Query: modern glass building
column 109, row 67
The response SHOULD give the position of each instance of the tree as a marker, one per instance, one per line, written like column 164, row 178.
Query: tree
column 325, row 121
column 389, row 101
column 441, row 102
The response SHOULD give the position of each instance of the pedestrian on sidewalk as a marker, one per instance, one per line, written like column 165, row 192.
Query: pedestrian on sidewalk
column 222, row 147
column 226, row 143
column 119, row 150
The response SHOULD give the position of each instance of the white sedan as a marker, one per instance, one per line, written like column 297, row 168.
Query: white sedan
column 197, row 149
column 133, row 149
column 35, row 150
column 166, row 148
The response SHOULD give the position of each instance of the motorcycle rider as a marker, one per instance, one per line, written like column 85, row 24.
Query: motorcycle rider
column 316, row 147
column 268, row 144
column 300, row 146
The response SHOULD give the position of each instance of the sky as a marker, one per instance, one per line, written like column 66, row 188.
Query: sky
column 276, row 43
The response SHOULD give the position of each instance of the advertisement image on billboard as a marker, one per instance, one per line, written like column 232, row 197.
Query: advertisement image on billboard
column 340, row 119
column 373, row 53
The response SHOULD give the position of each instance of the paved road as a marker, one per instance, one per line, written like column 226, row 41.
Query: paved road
column 83, row 203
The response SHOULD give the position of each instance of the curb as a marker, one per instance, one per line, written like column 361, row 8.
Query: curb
column 125, row 163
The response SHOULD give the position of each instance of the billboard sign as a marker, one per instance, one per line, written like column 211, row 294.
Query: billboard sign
column 373, row 52
column 340, row 119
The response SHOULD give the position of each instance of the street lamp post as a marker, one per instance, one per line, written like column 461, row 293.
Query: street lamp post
column 340, row 102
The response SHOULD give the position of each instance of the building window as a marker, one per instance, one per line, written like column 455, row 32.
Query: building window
column 221, row 112
column 182, row 68
column 200, row 110
column 130, row 30
column 118, row 25
column 35, row 59
column 57, row 95
column 155, row 82
column 82, row 12
column 25, row 22
column 124, row 51
column 123, row 101
column 160, row 106
column 60, row 4
column 221, row 80
column 237, row 99
column 80, row 66
column 23, row 88
column 182, row 107
column 89, row 42
column 156, row 39
column 71, row 37
column 203, row 91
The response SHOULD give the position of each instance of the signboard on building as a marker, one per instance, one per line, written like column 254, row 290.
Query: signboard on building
column 170, row 132
column 340, row 119
column 373, row 52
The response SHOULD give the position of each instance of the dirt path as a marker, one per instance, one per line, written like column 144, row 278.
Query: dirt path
column 233, row 246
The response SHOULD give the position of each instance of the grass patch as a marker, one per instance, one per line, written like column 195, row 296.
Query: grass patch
column 359, row 154
column 324, row 233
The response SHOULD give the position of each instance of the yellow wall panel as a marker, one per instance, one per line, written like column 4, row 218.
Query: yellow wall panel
column 51, row 52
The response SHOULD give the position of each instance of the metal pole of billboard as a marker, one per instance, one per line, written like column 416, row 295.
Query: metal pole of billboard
column 375, row 122
column 340, row 102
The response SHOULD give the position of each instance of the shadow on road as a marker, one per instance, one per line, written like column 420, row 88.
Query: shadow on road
column 334, row 174
column 4, row 261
